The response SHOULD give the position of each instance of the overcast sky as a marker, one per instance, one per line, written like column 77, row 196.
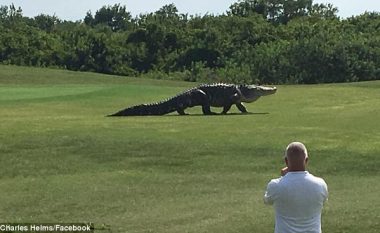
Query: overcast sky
column 76, row 9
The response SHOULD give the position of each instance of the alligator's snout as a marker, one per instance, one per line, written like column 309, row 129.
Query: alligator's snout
column 268, row 90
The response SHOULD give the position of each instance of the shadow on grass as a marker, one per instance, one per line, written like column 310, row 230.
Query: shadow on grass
column 199, row 115
column 219, row 114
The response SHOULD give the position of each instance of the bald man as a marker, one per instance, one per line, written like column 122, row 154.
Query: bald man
column 297, row 196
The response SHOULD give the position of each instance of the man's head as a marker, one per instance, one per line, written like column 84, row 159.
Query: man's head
column 296, row 156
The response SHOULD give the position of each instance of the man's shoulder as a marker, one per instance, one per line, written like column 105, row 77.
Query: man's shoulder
column 316, row 178
column 320, row 182
column 275, row 181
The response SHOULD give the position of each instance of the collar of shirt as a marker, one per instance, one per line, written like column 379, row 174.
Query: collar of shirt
column 298, row 173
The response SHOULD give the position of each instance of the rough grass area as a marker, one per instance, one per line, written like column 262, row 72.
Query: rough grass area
column 63, row 161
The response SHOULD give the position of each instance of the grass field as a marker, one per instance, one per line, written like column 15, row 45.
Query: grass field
column 63, row 161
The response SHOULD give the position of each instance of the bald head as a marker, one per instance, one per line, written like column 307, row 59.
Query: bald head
column 296, row 156
column 296, row 150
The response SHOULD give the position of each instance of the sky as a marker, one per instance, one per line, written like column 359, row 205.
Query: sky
column 76, row 9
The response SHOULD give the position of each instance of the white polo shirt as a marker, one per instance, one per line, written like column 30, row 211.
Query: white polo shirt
column 298, row 199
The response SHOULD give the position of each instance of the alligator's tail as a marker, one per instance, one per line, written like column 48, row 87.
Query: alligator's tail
column 155, row 109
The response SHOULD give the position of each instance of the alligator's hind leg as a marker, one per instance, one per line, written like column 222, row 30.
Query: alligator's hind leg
column 199, row 97
column 241, row 107
column 206, row 109
column 181, row 112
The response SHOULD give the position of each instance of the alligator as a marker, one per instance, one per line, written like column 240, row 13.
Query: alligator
column 205, row 95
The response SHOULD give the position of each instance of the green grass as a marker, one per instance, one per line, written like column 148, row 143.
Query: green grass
column 63, row 161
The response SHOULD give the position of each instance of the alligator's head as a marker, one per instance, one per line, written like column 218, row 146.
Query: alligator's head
column 251, row 93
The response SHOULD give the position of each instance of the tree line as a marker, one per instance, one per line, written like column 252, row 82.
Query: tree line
column 255, row 41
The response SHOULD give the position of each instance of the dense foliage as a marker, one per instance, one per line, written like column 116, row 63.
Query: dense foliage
column 255, row 41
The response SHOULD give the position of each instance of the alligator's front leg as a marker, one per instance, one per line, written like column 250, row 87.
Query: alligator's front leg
column 226, row 108
column 234, row 99
column 241, row 107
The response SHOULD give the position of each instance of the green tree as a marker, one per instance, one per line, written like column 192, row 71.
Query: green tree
column 246, row 8
column 168, row 11
column 116, row 17
column 46, row 22
column 276, row 11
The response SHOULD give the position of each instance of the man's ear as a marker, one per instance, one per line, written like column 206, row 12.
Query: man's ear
column 286, row 161
column 306, row 160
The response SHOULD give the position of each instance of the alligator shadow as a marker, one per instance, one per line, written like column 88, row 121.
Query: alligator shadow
column 199, row 115
column 219, row 114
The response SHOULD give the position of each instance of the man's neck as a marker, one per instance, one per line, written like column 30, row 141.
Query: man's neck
column 297, row 169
